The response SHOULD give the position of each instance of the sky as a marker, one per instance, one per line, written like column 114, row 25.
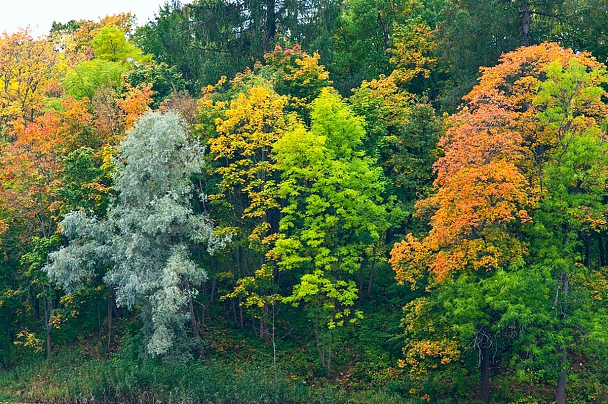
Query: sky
column 40, row 14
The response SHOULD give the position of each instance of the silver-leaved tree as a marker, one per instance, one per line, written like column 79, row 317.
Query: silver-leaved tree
column 144, row 242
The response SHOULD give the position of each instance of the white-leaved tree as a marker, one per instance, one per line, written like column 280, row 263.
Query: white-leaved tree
column 144, row 242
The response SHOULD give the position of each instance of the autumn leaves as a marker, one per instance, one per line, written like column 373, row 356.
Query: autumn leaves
column 518, row 191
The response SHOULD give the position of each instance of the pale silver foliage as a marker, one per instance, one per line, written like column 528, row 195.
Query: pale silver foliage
column 144, row 242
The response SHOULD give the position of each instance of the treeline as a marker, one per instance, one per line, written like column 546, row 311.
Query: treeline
column 337, row 184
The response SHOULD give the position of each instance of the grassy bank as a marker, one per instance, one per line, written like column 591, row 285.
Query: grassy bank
column 75, row 376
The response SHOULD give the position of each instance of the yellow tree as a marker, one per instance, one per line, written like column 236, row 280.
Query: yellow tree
column 242, row 149
column 29, row 68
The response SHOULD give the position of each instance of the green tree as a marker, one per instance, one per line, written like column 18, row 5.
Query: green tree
column 114, row 55
column 208, row 39
column 333, row 214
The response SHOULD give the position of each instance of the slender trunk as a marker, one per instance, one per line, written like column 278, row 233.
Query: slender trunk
column 371, row 272
column 271, row 23
column 560, row 388
column 195, row 332
column 385, row 33
column 587, row 241
column 600, row 245
column 48, row 326
column 320, row 345
column 361, row 281
column 241, row 319
column 525, row 23
column 213, row 289
column 110, row 304
column 274, row 346
column 329, row 355
column 36, row 305
column 483, row 344
column 485, row 373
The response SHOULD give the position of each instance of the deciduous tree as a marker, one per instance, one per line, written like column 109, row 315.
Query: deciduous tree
column 145, row 239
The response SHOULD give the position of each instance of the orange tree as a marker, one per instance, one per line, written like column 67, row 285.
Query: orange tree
column 507, row 262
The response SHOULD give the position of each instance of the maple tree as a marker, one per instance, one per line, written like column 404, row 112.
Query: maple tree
column 521, row 126
column 333, row 213
column 29, row 69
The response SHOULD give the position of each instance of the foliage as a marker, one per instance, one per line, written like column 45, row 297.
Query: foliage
column 508, row 202
column 143, row 238
column 29, row 68
column 498, row 210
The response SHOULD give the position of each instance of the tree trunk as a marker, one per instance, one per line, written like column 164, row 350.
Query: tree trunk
column 195, row 332
column 110, row 303
column 587, row 258
column 560, row 388
column 361, row 281
column 274, row 346
column 385, row 33
column 320, row 347
column 600, row 244
column 213, row 290
column 48, row 311
column 271, row 23
column 484, row 363
column 241, row 319
column 525, row 23
column 371, row 272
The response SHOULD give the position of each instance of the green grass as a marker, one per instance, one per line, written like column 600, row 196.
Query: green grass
column 72, row 376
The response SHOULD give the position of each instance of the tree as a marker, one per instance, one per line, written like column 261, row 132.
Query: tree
column 208, row 39
column 508, row 175
column 247, row 179
column 29, row 68
column 114, row 56
column 333, row 214
column 144, row 241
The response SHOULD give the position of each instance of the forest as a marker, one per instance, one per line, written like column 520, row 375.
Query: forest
column 314, row 201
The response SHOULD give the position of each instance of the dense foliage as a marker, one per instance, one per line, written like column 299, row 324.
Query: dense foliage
column 307, row 201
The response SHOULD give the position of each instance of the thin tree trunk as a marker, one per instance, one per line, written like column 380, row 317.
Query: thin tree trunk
column 485, row 374
column 110, row 304
column 213, row 289
column 483, row 341
column 274, row 345
column 371, row 272
column 329, row 353
column 47, row 320
column 587, row 241
column 600, row 245
column 361, row 281
column 525, row 23
column 241, row 319
column 385, row 33
column 560, row 388
column 195, row 332
column 320, row 347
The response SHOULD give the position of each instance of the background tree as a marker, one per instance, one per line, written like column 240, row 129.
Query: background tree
column 29, row 68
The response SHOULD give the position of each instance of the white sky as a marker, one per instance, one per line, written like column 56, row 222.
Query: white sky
column 40, row 14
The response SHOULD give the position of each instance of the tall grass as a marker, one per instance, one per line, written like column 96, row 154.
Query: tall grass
column 126, row 378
